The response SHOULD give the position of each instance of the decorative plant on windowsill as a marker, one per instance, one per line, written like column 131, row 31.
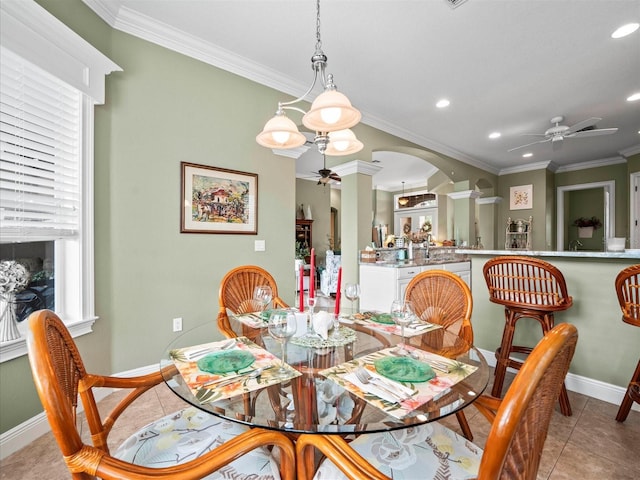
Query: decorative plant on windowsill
column 586, row 226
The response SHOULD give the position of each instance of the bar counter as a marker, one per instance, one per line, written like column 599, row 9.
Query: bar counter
column 607, row 351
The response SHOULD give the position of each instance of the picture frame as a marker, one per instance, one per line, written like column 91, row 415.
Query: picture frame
column 218, row 200
column 521, row 197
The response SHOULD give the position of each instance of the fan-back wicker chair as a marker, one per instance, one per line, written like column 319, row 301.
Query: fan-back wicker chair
column 528, row 288
column 513, row 449
column 60, row 377
column 443, row 298
column 236, row 294
column 628, row 290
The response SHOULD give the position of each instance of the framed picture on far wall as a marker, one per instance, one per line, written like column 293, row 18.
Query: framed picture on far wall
column 521, row 198
column 217, row 200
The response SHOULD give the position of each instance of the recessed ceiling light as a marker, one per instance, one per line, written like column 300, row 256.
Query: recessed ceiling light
column 494, row 135
column 634, row 97
column 527, row 155
column 625, row 30
column 443, row 103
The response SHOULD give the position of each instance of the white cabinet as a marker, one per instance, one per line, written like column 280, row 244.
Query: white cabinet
column 380, row 285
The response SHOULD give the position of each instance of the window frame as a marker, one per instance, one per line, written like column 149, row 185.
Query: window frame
column 31, row 32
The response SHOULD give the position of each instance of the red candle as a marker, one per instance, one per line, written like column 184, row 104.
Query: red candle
column 301, row 287
column 312, row 274
column 337, row 311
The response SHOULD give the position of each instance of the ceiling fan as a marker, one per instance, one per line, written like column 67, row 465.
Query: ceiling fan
column 326, row 175
column 558, row 133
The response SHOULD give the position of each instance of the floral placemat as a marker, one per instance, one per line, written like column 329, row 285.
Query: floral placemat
column 448, row 373
column 416, row 328
column 347, row 335
column 211, row 387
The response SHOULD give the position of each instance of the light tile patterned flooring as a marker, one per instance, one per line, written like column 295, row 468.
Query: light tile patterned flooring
column 590, row 445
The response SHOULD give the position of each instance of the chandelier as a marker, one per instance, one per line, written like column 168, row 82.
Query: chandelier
column 331, row 115
column 403, row 200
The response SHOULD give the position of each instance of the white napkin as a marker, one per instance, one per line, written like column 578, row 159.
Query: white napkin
column 371, row 388
column 322, row 322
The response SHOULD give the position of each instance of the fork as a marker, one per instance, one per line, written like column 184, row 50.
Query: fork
column 197, row 354
column 365, row 377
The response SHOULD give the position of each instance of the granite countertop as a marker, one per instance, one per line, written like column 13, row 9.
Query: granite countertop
column 548, row 253
column 411, row 263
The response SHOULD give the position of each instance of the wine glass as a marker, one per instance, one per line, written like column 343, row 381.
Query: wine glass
column 402, row 314
column 262, row 296
column 352, row 292
column 282, row 326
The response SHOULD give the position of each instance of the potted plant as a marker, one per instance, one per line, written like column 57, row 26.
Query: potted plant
column 586, row 226
column 302, row 252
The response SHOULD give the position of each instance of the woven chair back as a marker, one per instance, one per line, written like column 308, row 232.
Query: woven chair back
column 442, row 297
column 236, row 288
column 628, row 291
column 514, row 446
column 526, row 282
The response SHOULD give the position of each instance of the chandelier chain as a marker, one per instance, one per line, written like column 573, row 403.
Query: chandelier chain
column 318, row 40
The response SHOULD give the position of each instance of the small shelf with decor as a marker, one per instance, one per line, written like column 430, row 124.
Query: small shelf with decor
column 518, row 234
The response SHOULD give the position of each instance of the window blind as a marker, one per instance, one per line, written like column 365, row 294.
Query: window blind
column 40, row 149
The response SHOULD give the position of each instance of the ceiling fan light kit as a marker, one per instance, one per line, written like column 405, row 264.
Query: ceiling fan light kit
column 558, row 133
column 330, row 112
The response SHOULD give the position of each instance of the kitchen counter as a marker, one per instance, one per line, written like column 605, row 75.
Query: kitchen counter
column 548, row 253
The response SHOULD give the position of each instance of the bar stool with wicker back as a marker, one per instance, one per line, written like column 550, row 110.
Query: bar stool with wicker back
column 628, row 290
column 528, row 288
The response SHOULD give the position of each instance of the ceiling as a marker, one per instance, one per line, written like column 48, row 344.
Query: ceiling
column 505, row 65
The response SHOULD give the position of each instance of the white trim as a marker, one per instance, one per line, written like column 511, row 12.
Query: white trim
column 357, row 166
column 583, row 385
column 604, row 162
column 33, row 33
column 28, row 431
column 610, row 207
column 529, row 167
column 475, row 194
column 488, row 200
column 634, row 214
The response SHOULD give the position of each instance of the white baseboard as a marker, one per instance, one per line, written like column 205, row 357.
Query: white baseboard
column 22, row 435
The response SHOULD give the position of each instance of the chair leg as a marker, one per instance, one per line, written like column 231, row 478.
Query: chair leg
column 502, row 354
column 464, row 425
column 630, row 396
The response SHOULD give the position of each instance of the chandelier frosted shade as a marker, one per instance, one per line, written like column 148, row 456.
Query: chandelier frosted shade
column 331, row 111
column 343, row 142
column 280, row 132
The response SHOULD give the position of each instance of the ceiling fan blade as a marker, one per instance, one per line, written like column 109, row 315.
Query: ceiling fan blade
column 594, row 133
column 334, row 176
column 583, row 124
column 529, row 144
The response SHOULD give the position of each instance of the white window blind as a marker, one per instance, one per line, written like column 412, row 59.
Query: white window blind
column 40, row 149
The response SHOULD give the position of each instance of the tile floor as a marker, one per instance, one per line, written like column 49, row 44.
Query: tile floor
column 590, row 445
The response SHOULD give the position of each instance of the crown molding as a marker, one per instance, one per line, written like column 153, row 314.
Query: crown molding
column 529, row 167
column 605, row 162
column 489, row 200
column 357, row 166
column 464, row 194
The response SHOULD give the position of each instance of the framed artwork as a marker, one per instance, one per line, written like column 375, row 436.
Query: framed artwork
column 217, row 200
column 521, row 198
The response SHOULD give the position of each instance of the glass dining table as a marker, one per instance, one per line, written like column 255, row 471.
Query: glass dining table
column 320, row 393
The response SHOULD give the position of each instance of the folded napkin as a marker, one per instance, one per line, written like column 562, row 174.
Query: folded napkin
column 378, row 391
column 322, row 323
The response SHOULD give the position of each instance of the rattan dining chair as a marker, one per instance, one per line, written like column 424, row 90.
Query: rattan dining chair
column 520, row 422
column 527, row 287
column 443, row 298
column 236, row 294
column 188, row 444
column 628, row 291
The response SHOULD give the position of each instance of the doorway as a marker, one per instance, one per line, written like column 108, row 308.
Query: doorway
column 608, row 192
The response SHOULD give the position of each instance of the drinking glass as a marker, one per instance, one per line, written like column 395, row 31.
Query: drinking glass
column 352, row 292
column 282, row 326
column 262, row 296
column 311, row 333
column 336, row 327
column 402, row 314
